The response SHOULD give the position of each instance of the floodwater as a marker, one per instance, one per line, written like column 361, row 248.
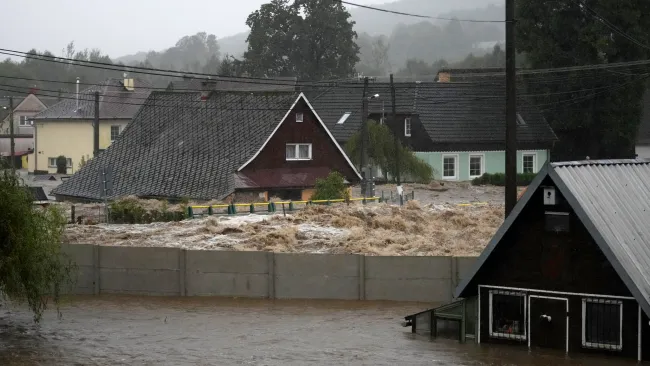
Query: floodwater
column 120, row 330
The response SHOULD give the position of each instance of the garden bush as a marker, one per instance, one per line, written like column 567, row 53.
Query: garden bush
column 131, row 211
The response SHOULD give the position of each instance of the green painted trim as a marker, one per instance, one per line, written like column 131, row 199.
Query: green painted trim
column 491, row 162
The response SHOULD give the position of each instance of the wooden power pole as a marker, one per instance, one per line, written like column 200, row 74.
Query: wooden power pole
column 12, row 142
column 511, row 111
column 396, row 129
column 364, row 136
column 96, row 127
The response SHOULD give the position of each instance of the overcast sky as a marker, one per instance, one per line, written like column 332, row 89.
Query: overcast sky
column 119, row 27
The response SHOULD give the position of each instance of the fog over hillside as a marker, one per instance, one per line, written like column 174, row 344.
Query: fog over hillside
column 406, row 37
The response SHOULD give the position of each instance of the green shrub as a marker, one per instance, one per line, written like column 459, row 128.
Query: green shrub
column 330, row 188
column 499, row 179
column 130, row 211
column 61, row 165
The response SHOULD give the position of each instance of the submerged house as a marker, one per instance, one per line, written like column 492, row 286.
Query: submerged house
column 238, row 146
column 569, row 268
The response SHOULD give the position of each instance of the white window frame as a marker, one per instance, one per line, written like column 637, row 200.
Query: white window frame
column 49, row 163
column 297, row 150
column 119, row 132
column 23, row 121
column 494, row 334
column 407, row 126
column 300, row 117
column 455, row 156
column 523, row 156
column 469, row 165
column 593, row 345
column 68, row 162
column 344, row 118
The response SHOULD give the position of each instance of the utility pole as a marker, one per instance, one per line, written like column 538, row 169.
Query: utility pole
column 396, row 129
column 364, row 135
column 511, row 111
column 12, row 143
column 96, row 127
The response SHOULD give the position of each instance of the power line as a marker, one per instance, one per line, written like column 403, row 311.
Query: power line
column 611, row 26
column 418, row 15
column 157, row 72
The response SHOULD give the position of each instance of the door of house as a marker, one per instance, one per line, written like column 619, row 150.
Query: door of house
column 548, row 321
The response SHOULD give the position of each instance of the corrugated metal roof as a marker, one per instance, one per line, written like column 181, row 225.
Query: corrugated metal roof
column 615, row 197
column 612, row 199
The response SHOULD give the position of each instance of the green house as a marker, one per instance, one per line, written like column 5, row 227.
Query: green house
column 458, row 127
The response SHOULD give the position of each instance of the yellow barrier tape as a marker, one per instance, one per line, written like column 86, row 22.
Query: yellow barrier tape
column 288, row 202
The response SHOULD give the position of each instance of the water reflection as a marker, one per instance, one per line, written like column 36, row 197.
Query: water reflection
column 118, row 330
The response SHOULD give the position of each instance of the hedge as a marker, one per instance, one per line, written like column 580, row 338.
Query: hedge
column 499, row 179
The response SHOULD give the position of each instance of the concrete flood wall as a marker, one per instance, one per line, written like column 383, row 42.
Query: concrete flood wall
column 179, row 272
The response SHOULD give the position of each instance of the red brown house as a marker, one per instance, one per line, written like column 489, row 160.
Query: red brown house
column 231, row 145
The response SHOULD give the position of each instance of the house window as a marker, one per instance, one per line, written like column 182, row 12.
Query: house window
column 299, row 117
column 602, row 324
column 529, row 163
column 449, row 167
column 557, row 221
column 24, row 122
column 507, row 315
column 407, row 127
column 115, row 132
column 475, row 166
column 298, row 152
column 51, row 162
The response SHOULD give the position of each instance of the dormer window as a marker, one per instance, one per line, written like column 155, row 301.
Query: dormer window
column 299, row 117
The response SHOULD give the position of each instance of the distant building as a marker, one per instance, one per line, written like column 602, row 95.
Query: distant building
column 66, row 128
column 24, row 109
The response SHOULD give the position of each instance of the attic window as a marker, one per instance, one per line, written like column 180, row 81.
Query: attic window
column 343, row 118
column 299, row 117
column 556, row 221
column 520, row 120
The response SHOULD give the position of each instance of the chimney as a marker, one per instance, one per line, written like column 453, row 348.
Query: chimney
column 77, row 95
column 444, row 76
column 128, row 83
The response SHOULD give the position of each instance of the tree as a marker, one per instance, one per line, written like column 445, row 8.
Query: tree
column 594, row 113
column 380, row 49
column 32, row 265
column 310, row 39
column 381, row 153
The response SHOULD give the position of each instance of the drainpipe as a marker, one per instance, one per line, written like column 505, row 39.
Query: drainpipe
column 77, row 94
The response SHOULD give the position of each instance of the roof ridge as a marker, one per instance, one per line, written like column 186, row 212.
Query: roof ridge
column 637, row 161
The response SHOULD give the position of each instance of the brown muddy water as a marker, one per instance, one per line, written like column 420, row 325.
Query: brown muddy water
column 119, row 330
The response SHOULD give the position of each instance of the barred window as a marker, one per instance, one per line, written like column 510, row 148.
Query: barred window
column 602, row 324
column 508, row 315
